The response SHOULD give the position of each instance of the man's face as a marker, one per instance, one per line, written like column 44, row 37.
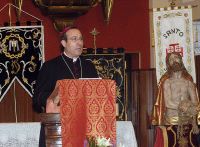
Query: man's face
column 73, row 46
column 175, row 63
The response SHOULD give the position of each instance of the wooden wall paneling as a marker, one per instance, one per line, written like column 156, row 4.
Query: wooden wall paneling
column 143, row 94
column 24, row 109
column 24, row 105
column 133, row 101
column 197, row 64
column 132, row 63
column 145, row 107
column 7, row 108
column 151, row 85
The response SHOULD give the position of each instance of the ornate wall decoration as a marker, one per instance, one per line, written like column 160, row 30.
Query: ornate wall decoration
column 21, row 56
column 112, row 66
column 173, row 33
column 62, row 12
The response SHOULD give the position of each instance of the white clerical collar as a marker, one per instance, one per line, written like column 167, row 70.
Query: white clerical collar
column 73, row 58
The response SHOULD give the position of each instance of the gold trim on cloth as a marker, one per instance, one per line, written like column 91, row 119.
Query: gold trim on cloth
column 176, row 142
column 170, row 128
column 171, row 120
column 165, row 136
column 191, row 139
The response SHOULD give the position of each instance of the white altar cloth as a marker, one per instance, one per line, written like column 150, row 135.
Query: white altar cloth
column 125, row 134
column 27, row 134
column 19, row 134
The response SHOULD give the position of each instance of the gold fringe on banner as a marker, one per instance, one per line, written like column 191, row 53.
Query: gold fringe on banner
column 172, row 8
column 18, row 3
column 16, row 8
column 107, row 8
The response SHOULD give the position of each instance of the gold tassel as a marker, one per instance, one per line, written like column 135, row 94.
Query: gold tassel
column 107, row 8
column 18, row 3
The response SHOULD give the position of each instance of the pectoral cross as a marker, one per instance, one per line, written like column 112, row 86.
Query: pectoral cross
column 94, row 33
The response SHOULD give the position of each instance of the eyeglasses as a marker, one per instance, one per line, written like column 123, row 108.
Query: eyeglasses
column 75, row 39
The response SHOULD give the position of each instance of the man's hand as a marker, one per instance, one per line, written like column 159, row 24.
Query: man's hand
column 52, row 107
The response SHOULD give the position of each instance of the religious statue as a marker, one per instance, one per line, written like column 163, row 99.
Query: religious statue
column 177, row 105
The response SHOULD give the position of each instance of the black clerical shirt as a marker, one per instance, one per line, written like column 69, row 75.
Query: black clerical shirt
column 57, row 69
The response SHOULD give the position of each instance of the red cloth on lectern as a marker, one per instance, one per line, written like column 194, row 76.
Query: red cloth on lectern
column 87, row 109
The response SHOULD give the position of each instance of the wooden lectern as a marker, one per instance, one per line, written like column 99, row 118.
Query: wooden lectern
column 52, row 127
column 87, row 109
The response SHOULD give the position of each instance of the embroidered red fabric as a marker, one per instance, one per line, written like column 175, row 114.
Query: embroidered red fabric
column 87, row 109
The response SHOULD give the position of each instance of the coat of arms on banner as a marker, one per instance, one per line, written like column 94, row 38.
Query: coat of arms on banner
column 173, row 33
column 21, row 56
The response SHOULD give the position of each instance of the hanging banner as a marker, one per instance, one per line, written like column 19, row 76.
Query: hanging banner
column 112, row 66
column 173, row 33
column 21, row 56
